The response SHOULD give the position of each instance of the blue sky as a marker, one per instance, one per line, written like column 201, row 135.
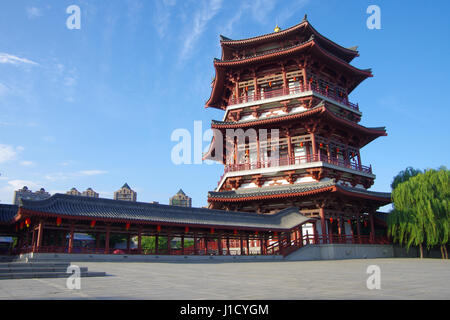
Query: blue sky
column 96, row 107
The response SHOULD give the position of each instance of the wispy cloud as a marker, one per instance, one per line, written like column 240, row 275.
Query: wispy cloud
column 202, row 16
column 27, row 163
column 7, row 190
column 4, row 89
column 92, row 172
column 8, row 153
column 59, row 176
column 11, row 59
column 162, row 15
column 33, row 12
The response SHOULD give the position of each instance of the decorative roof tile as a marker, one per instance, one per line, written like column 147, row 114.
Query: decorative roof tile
column 97, row 208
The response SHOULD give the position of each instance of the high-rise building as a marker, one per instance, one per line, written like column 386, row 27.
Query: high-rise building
column 74, row 192
column 26, row 193
column 90, row 193
column 125, row 193
column 181, row 199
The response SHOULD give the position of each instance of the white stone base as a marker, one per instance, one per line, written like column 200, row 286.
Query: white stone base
column 341, row 251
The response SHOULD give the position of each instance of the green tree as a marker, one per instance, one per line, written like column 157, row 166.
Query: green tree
column 404, row 176
column 421, row 210
column 148, row 243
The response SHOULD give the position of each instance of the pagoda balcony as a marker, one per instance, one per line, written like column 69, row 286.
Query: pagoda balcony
column 287, row 161
column 291, row 91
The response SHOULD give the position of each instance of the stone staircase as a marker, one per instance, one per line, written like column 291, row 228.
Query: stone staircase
column 30, row 270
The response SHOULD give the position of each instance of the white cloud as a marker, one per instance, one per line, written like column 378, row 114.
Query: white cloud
column 27, row 163
column 58, row 176
column 7, row 190
column 201, row 18
column 18, row 184
column 8, row 153
column 33, row 12
column 11, row 59
column 92, row 172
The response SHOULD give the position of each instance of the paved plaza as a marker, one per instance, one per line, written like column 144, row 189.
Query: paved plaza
column 339, row 279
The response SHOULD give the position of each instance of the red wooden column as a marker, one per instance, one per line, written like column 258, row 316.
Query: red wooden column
column 315, row 233
column 261, row 245
column 219, row 244
column 289, row 143
column 323, row 224
column 300, row 231
column 157, row 243
column 72, row 228
column 248, row 245
column 33, row 240
column 359, row 160
column 40, row 235
column 330, row 231
column 339, row 223
column 358, row 228
column 258, row 151
column 139, row 240
column 328, row 151
column 241, row 244
column 195, row 244
column 228, row 245
column 205, row 239
column 285, row 83
column 314, row 148
column 182, row 244
column 128, row 243
column 372, row 227
column 169, row 246
column 107, row 239
column 97, row 241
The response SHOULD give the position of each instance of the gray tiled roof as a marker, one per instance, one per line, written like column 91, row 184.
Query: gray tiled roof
column 97, row 208
column 263, row 191
column 292, row 188
column 7, row 212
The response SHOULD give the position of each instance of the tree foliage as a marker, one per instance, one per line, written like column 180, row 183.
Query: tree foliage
column 421, row 209
column 404, row 176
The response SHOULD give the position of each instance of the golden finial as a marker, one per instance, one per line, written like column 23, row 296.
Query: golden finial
column 277, row 29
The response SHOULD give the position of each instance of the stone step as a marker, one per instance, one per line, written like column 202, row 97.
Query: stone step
column 36, row 269
column 32, row 275
column 7, row 259
column 34, row 264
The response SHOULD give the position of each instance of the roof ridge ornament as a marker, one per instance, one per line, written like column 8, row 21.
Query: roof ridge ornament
column 277, row 29
column 305, row 18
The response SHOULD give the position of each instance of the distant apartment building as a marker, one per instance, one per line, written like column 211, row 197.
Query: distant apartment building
column 125, row 194
column 74, row 192
column 90, row 193
column 87, row 193
column 180, row 199
column 27, row 194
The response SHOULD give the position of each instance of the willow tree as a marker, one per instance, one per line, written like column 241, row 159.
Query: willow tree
column 421, row 211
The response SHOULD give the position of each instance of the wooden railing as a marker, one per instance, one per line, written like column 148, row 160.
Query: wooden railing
column 293, row 90
column 285, row 161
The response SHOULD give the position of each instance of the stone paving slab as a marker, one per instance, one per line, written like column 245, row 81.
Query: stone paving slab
column 340, row 279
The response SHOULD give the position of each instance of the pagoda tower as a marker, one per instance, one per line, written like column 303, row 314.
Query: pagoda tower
column 296, row 83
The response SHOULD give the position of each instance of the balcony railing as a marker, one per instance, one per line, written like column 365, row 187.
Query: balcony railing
column 293, row 90
column 286, row 161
